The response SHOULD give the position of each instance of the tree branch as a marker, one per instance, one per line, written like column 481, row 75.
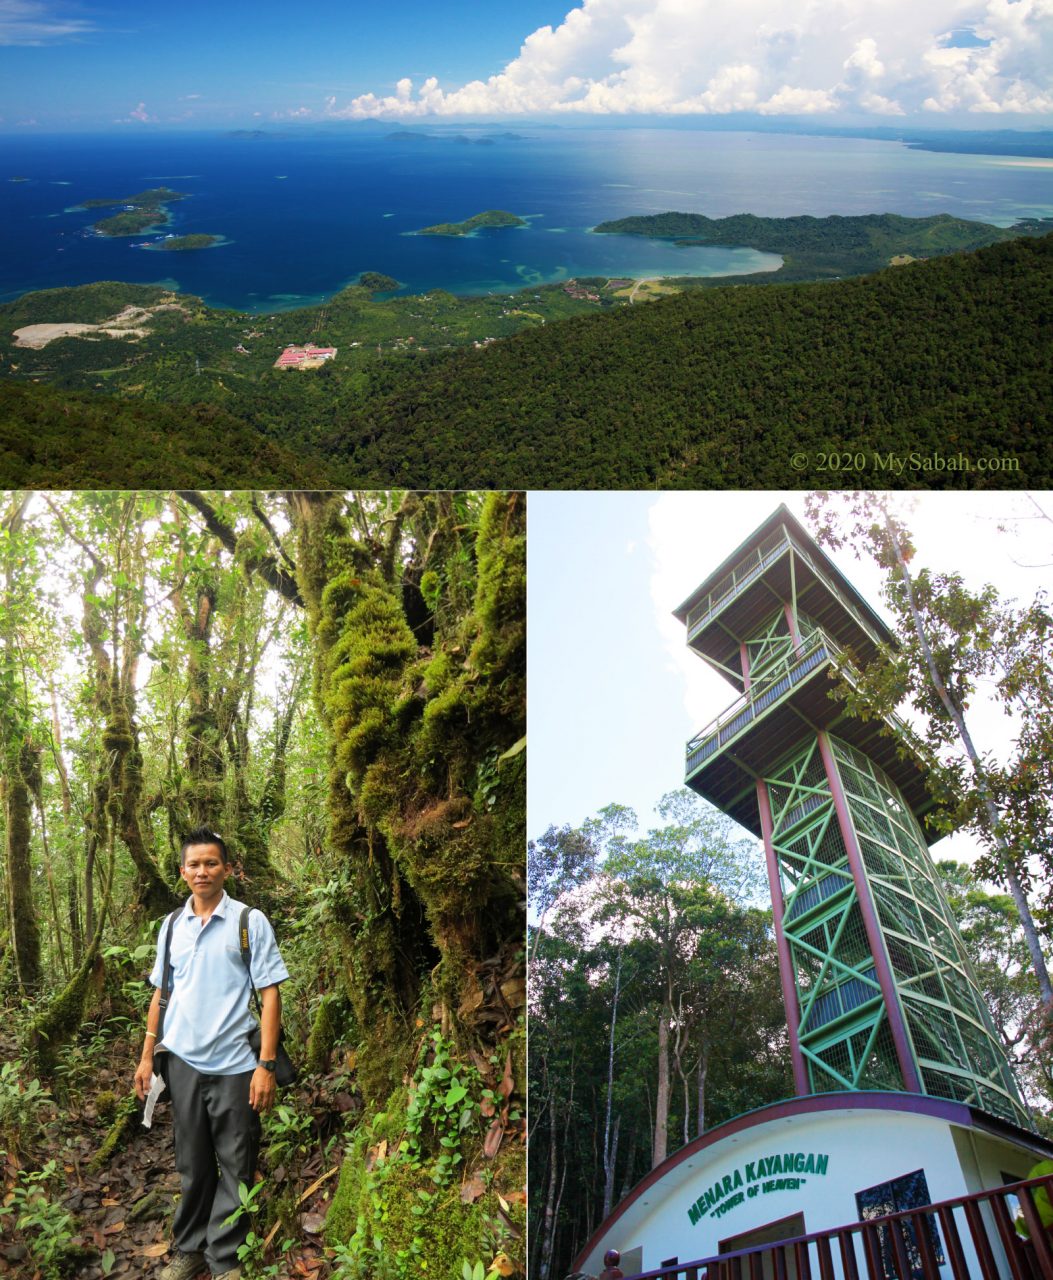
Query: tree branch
column 267, row 567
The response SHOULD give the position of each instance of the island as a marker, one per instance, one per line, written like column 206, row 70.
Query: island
column 491, row 218
column 141, row 211
column 824, row 248
column 180, row 244
column 378, row 282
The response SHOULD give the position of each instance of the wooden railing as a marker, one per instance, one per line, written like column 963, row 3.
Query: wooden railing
column 971, row 1238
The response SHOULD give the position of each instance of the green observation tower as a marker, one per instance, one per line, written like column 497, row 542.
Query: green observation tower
column 878, row 989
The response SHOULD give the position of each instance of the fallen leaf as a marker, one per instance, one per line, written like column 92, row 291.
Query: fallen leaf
column 482, row 1065
column 110, row 1202
column 318, row 1182
column 494, row 1134
column 487, row 1108
column 507, row 1083
column 460, row 826
column 503, row 1265
column 510, row 1226
column 514, row 991
column 471, row 1191
column 114, row 1227
column 313, row 1223
column 154, row 1250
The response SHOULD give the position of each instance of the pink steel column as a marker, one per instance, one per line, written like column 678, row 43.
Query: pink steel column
column 875, row 937
column 789, row 987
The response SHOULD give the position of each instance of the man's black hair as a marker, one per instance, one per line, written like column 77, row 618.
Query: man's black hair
column 202, row 835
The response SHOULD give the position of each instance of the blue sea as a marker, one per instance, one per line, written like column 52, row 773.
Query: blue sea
column 302, row 215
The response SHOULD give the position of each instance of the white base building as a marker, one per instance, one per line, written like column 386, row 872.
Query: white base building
column 813, row 1164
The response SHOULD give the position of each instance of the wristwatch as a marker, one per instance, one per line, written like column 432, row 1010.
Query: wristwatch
column 268, row 1064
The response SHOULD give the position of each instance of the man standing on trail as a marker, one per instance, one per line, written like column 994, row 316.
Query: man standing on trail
column 217, row 1084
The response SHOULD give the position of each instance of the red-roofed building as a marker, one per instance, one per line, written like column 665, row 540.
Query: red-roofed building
column 308, row 357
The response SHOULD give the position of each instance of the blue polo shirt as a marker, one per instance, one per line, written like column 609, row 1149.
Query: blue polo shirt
column 208, row 1015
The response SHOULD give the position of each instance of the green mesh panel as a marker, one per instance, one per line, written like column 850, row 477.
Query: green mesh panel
column 838, row 994
column 956, row 1048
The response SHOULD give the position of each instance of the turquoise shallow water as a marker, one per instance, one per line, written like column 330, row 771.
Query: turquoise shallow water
column 304, row 215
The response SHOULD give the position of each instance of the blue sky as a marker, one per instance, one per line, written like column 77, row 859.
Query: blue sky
column 224, row 61
column 614, row 692
column 68, row 64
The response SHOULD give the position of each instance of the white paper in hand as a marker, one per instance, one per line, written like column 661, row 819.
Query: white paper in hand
column 156, row 1089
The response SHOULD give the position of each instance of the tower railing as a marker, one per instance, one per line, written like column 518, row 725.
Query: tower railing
column 732, row 583
column 749, row 568
column 775, row 683
column 992, row 1235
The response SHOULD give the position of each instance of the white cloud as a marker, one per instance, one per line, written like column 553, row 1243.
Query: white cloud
column 610, row 57
column 34, row 22
column 138, row 115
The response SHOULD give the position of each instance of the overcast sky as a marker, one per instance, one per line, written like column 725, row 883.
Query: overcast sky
column 614, row 692
column 117, row 63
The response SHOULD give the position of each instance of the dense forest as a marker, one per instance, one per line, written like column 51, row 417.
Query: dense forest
column 735, row 387
column 722, row 387
column 335, row 682
column 655, row 1007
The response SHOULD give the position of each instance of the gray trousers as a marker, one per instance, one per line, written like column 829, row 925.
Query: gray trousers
column 217, row 1140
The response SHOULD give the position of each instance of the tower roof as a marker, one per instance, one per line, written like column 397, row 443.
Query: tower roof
column 778, row 562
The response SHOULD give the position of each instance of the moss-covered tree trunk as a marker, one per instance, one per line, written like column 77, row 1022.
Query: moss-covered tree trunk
column 17, row 760
column 362, row 646
column 203, row 794
column 426, row 724
column 25, row 931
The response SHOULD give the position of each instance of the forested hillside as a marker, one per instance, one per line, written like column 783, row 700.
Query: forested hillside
column 334, row 682
column 727, row 387
column 723, row 387
column 63, row 440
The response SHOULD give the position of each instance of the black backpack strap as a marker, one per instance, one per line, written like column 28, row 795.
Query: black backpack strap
column 166, row 974
column 246, row 955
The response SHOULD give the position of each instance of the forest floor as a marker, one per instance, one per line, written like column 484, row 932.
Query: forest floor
column 121, row 1213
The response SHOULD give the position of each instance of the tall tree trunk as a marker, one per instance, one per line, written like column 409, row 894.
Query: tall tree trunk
column 610, row 1147
column 382, row 916
column 612, row 1162
column 17, row 765
column 548, row 1220
column 627, row 1176
column 700, row 1093
column 660, row 1145
column 25, row 933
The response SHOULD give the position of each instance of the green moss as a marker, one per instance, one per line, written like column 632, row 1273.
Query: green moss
column 332, row 1023
column 106, row 1104
column 126, row 1115
column 396, row 1224
column 63, row 1017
